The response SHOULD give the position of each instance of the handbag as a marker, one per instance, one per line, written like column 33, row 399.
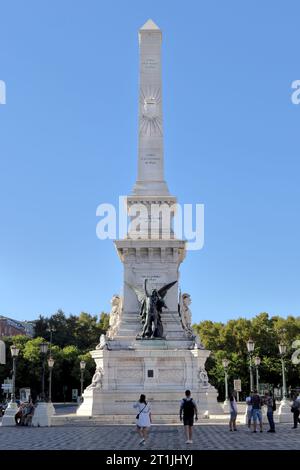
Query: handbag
column 138, row 415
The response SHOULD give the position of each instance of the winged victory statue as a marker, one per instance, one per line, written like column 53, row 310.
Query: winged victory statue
column 151, row 309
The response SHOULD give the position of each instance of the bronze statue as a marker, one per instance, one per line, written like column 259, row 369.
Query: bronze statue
column 151, row 309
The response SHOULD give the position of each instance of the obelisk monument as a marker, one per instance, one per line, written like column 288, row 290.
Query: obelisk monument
column 161, row 361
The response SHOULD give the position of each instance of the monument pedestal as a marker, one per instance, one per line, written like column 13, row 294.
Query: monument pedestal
column 9, row 415
column 160, row 373
column 284, row 414
column 42, row 414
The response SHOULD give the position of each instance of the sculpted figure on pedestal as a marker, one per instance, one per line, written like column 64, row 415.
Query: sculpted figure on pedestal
column 151, row 309
column 97, row 379
column 115, row 316
column 102, row 342
column 203, row 377
column 186, row 315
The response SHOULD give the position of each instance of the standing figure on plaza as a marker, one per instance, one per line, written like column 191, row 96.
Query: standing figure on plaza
column 151, row 309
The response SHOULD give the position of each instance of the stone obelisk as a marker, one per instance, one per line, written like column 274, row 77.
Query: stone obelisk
column 128, row 363
column 150, row 180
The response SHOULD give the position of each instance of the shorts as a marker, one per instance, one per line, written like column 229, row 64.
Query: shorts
column 188, row 421
column 256, row 414
column 233, row 414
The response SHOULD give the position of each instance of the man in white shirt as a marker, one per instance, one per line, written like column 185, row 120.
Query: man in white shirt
column 249, row 409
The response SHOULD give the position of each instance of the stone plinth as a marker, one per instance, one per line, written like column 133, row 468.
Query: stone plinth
column 162, row 374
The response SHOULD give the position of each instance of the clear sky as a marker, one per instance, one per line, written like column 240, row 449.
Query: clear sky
column 68, row 142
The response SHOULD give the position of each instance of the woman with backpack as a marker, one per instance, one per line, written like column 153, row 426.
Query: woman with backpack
column 188, row 409
column 143, row 418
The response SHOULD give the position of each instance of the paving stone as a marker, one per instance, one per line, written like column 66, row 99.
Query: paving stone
column 97, row 437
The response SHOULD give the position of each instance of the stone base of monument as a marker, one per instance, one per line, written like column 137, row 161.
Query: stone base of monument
column 9, row 415
column 42, row 415
column 161, row 374
column 284, row 412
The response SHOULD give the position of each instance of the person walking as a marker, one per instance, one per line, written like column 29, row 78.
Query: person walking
column 233, row 413
column 271, row 407
column 188, row 410
column 143, row 418
column 296, row 411
column 256, row 411
column 249, row 410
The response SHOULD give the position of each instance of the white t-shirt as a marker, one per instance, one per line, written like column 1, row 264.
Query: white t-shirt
column 144, row 411
column 248, row 403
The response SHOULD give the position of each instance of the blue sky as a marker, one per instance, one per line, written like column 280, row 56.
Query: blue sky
column 68, row 142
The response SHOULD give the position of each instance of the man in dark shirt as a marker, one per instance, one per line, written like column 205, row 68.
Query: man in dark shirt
column 189, row 409
column 256, row 411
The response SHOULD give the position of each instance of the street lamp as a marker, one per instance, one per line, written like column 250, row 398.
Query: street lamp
column 250, row 347
column 82, row 367
column 14, row 353
column 225, row 363
column 50, row 365
column 43, row 351
column 257, row 364
column 282, row 351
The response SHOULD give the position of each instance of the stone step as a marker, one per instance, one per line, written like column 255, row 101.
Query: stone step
column 63, row 420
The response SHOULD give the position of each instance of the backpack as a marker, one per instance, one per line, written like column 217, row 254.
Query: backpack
column 188, row 408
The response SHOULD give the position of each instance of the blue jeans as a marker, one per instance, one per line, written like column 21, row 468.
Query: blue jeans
column 271, row 420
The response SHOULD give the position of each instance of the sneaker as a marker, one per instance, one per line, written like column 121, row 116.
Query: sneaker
column 261, row 430
column 235, row 429
column 253, row 431
column 188, row 441
column 191, row 442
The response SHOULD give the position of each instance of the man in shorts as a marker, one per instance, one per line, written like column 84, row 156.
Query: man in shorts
column 188, row 409
column 256, row 411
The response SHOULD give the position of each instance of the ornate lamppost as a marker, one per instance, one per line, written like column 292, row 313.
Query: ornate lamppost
column 50, row 365
column 82, row 368
column 257, row 364
column 250, row 347
column 43, row 351
column 225, row 363
column 282, row 351
column 14, row 353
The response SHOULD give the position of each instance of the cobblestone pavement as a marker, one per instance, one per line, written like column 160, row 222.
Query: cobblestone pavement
column 163, row 437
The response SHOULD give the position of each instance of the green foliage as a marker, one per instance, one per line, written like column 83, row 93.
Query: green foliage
column 229, row 340
column 72, row 339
